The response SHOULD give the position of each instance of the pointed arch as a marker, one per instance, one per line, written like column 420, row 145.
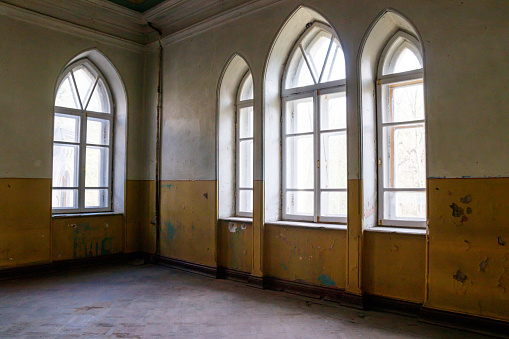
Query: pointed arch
column 389, row 33
column 233, row 79
column 112, row 85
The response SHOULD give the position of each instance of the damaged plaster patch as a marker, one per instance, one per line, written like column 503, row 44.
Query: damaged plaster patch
column 206, row 195
column 456, row 210
column 460, row 276
column 326, row 280
column 501, row 241
column 483, row 264
column 232, row 227
column 466, row 199
column 469, row 210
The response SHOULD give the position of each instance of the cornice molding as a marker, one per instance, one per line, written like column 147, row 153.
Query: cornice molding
column 215, row 21
column 43, row 20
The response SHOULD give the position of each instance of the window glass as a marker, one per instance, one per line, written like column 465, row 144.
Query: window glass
column 96, row 170
column 298, row 74
column 333, row 204
column 65, row 165
column 300, row 203
column 67, row 95
column 333, row 171
column 246, row 92
column 66, row 128
column 246, row 201
column 99, row 101
column 85, row 81
column 98, row 131
column 299, row 116
column 300, row 162
column 406, row 61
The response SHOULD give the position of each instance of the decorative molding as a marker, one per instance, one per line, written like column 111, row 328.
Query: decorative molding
column 212, row 22
column 43, row 20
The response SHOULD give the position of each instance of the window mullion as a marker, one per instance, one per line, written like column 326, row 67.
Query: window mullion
column 82, row 162
column 237, row 159
column 316, row 112
column 379, row 120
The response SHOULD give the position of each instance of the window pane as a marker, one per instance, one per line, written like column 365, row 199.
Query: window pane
column 406, row 61
column 333, row 171
column 85, row 80
column 333, row 111
column 404, row 156
column 405, row 102
column 98, row 131
column 246, row 122
column 300, row 162
column 299, row 116
column 96, row 198
column 298, row 74
column 97, row 163
column 316, row 44
column 246, row 201
column 66, row 94
column 66, row 128
column 65, row 165
column 246, row 164
column 64, row 199
column 246, row 93
column 300, row 203
column 333, row 204
column 335, row 67
column 404, row 205
column 100, row 100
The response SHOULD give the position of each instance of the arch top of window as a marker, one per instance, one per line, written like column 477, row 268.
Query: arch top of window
column 246, row 91
column 83, row 87
column 401, row 54
column 316, row 58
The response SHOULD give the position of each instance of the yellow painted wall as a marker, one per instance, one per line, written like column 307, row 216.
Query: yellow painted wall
column 89, row 236
column 235, row 245
column 25, row 215
column 188, row 221
column 394, row 265
column 140, row 216
column 469, row 246
column 308, row 255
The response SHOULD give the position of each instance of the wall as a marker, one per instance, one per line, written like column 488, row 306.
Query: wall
column 464, row 71
column 32, row 58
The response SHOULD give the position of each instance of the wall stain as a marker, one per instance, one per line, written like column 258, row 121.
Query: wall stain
column 466, row 199
column 284, row 266
column 326, row 280
column 87, row 244
column 483, row 264
column 460, row 276
column 168, row 186
column 456, row 210
column 501, row 241
column 206, row 195
column 170, row 230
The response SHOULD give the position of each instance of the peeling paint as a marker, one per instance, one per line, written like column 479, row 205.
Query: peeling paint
column 206, row 195
column 170, row 230
column 469, row 210
column 456, row 210
column 232, row 227
column 460, row 276
column 284, row 266
column 483, row 264
column 326, row 280
column 501, row 241
column 168, row 186
column 466, row 199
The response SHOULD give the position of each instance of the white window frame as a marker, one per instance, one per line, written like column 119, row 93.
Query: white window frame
column 81, row 162
column 240, row 104
column 398, row 41
column 314, row 92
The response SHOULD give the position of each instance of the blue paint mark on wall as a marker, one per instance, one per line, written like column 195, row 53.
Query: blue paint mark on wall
column 167, row 186
column 284, row 266
column 326, row 280
column 171, row 230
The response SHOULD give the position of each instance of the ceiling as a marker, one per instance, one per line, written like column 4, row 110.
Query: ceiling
column 138, row 5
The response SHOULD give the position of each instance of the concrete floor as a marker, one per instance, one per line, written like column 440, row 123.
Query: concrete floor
column 121, row 301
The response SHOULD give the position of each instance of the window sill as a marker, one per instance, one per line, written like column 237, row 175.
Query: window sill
column 238, row 219
column 396, row 230
column 84, row 215
column 307, row 225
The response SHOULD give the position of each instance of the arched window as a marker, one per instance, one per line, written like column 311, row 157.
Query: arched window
column 82, row 141
column 244, row 147
column 401, row 133
column 314, row 171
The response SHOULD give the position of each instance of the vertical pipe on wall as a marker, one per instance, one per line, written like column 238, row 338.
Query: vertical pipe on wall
column 158, row 141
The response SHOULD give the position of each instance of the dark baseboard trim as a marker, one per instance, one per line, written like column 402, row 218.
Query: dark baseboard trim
column 378, row 303
column 57, row 266
column 227, row 273
column 182, row 265
column 465, row 322
column 304, row 289
column 256, row 282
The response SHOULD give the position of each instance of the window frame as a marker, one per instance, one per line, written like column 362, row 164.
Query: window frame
column 83, row 114
column 383, row 82
column 314, row 92
column 240, row 104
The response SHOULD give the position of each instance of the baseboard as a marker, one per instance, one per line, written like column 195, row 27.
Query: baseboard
column 182, row 265
column 304, row 289
column 378, row 303
column 227, row 273
column 57, row 266
column 465, row 322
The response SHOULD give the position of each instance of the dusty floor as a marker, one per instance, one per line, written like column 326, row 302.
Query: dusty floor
column 124, row 301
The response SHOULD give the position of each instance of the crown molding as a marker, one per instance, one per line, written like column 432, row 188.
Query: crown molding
column 211, row 23
column 43, row 20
